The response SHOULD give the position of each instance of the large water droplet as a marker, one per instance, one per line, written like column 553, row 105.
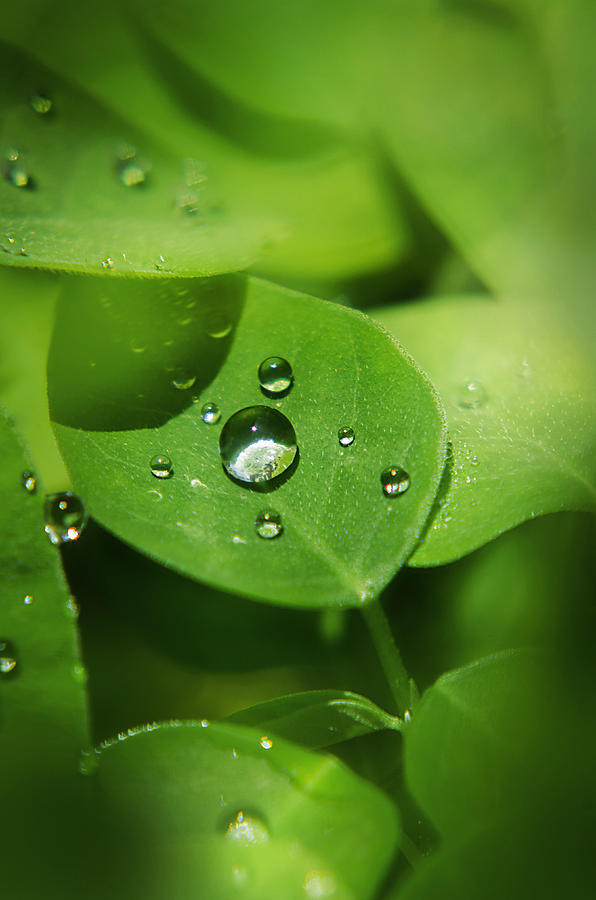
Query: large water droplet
column 257, row 444
column 41, row 104
column 8, row 659
column 210, row 413
column 65, row 517
column 268, row 525
column 275, row 376
column 29, row 482
column 247, row 829
column 346, row 436
column 183, row 379
column 395, row 480
column 161, row 467
column 472, row 395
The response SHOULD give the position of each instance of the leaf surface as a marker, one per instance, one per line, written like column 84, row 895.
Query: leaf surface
column 182, row 781
column 519, row 389
column 343, row 538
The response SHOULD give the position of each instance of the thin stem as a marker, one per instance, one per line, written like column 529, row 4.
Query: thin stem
column 389, row 655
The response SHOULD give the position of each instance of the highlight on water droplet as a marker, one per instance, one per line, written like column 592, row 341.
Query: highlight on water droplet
column 8, row 658
column 72, row 608
column 471, row 395
column 246, row 828
column 107, row 263
column 79, row 673
column 268, row 525
column 161, row 466
column 346, row 436
column 41, row 104
column 183, row 379
column 257, row 444
column 65, row 517
column 266, row 742
column 394, row 480
column 28, row 599
column 29, row 482
column 210, row 413
column 275, row 376
column 14, row 170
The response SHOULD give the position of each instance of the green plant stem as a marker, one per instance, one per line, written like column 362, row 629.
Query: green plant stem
column 389, row 655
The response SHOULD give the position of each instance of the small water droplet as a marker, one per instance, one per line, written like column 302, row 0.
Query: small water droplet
column 28, row 599
column 161, row 467
column 107, row 263
column 41, row 104
column 195, row 172
column 131, row 170
column 472, row 395
column 188, row 202
column 183, row 379
column 210, row 413
column 14, row 170
column 346, row 436
column 239, row 875
column 266, row 742
column 218, row 326
column 204, row 723
column 79, row 673
column 88, row 762
column 247, row 829
column 395, row 480
column 72, row 608
column 268, row 525
column 257, row 444
column 473, row 460
column 29, row 482
column 275, row 376
column 407, row 716
column 161, row 263
column 319, row 885
column 65, row 517
column 8, row 658
column 526, row 369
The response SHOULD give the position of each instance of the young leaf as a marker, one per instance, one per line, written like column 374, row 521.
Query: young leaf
column 147, row 362
column 465, row 747
column 317, row 719
column 182, row 781
column 44, row 721
column 518, row 386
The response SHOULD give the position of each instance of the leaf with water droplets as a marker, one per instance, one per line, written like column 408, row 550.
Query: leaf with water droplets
column 188, row 781
column 318, row 719
column 519, row 389
column 44, row 721
column 339, row 536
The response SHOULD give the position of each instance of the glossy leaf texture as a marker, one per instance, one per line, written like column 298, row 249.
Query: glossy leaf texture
column 182, row 782
column 223, row 185
column 318, row 719
column 44, row 721
column 518, row 385
column 343, row 537
column 466, row 748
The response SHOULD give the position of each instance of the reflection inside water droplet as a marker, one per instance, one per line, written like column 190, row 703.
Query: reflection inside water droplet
column 266, row 742
column 268, row 525
column 8, row 658
column 210, row 413
column 161, row 467
column 29, row 482
column 247, row 829
column 65, row 517
column 395, row 480
column 346, row 436
column 257, row 444
column 472, row 395
column 275, row 376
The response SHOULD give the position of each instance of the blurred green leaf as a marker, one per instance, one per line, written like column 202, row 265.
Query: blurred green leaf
column 518, row 386
column 318, row 719
column 43, row 720
column 182, row 781
column 467, row 742
column 343, row 538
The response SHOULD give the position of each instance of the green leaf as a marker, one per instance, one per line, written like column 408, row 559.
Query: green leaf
column 465, row 747
column 343, row 539
column 518, row 386
column 44, row 721
column 318, row 719
column 183, row 781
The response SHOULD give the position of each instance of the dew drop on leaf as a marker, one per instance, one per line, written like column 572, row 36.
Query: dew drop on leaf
column 183, row 379
column 14, row 170
column 257, row 444
column 268, row 525
column 107, row 263
column 395, row 480
column 346, row 436
column 29, row 482
column 41, row 104
column 210, row 413
column 8, row 659
column 275, row 376
column 79, row 673
column 266, row 742
column 218, row 326
column 247, row 829
column 72, row 608
column 472, row 395
column 28, row 599
column 65, row 517
column 161, row 467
